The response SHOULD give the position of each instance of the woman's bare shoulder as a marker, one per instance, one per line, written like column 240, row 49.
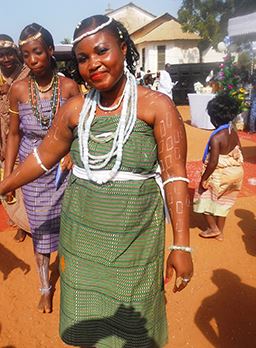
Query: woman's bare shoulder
column 19, row 90
column 153, row 104
column 67, row 80
column 20, row 84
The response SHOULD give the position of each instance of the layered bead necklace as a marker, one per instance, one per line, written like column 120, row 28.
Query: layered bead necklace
column 45, row 121
column 120, row 136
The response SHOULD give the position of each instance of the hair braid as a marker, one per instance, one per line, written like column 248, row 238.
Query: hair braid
column 132, row 55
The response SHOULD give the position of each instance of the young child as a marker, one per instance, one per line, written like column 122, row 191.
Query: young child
column 222, row 175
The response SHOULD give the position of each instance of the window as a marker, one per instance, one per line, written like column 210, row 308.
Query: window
column 160, row 57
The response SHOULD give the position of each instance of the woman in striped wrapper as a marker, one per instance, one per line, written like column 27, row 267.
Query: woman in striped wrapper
column 34, row 101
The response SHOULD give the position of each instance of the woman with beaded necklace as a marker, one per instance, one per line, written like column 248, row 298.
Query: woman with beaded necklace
column 112, row 228
column 34, row 102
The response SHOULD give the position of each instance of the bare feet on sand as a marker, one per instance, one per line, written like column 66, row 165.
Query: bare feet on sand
column 45, row 303
column 210, row 233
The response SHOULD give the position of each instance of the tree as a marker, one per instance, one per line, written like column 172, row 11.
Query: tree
column 66, row 41
column 209, row 18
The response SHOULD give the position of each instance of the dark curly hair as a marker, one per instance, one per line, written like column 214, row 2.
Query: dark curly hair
column 118, row 30
column 6, row 37
column 222, row 109
column 33, row 29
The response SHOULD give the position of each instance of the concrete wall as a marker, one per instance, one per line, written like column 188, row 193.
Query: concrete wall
column 177, row 52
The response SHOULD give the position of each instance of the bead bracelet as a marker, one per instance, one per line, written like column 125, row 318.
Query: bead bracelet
column 187, row 249
column 175, row 178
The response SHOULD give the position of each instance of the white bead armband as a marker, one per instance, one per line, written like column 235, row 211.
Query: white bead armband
column 187, row 249
column 38, row 159
column 175, row 178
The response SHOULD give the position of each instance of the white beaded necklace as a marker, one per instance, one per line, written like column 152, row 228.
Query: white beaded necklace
column 113, row 107
column 125, row 126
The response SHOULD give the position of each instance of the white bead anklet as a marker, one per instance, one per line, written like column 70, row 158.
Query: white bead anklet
column 45, row 290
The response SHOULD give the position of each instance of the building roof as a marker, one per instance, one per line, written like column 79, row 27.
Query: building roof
column 163, row 28
column 131, row 16
column 130, row 5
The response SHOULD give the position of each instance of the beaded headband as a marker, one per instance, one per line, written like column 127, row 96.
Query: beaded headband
column 31, row 38
column 7, row 44
column 91, row 32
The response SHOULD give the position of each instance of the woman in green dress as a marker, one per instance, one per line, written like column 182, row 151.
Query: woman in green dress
column 113, row 226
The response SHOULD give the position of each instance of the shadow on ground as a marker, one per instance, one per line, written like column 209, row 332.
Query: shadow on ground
column 248, row 227
column 227, row 318
column 9, row 262
column 135, row 335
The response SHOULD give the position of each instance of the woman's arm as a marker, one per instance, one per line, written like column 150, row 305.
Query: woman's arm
column 13, row 139
column 55, row 145
column 172, row 150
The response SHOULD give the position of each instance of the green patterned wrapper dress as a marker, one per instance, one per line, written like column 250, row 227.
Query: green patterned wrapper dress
column 112, row 250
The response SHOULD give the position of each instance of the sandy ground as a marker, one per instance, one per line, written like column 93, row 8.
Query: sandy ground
column 217, row 309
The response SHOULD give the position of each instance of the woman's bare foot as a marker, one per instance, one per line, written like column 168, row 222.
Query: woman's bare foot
column 45, row 303
column 210, row 233
column 220, row 237
column 20, row 235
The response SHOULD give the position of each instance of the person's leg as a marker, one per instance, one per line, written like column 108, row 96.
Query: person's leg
column 45, row 303
column 220, row 223
column 212, row 230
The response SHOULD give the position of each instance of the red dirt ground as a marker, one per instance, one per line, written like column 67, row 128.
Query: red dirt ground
column 217, row 309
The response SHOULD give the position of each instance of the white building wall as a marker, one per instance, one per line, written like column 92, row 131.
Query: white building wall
column 182, row 53
column 187, row 53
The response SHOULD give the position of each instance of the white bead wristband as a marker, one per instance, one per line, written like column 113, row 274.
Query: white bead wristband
column 187, row 249
column 38, row 159
column 175, row 178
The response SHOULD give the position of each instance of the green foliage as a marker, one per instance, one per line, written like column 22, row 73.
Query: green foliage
column 209, row 18
column 66, row 41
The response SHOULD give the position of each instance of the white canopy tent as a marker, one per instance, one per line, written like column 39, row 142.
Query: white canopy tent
column 243, row 26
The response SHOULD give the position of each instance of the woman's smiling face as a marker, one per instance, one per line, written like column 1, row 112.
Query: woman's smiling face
column 100, row 59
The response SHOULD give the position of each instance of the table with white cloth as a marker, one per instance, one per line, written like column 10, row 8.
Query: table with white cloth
column 198, row 104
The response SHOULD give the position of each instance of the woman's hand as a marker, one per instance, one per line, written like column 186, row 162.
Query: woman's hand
column 203, row 186
column 10, row 197
column 66, row 163
column 181, row 263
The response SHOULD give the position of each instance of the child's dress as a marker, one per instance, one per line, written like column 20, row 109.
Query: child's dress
column 223, row 185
